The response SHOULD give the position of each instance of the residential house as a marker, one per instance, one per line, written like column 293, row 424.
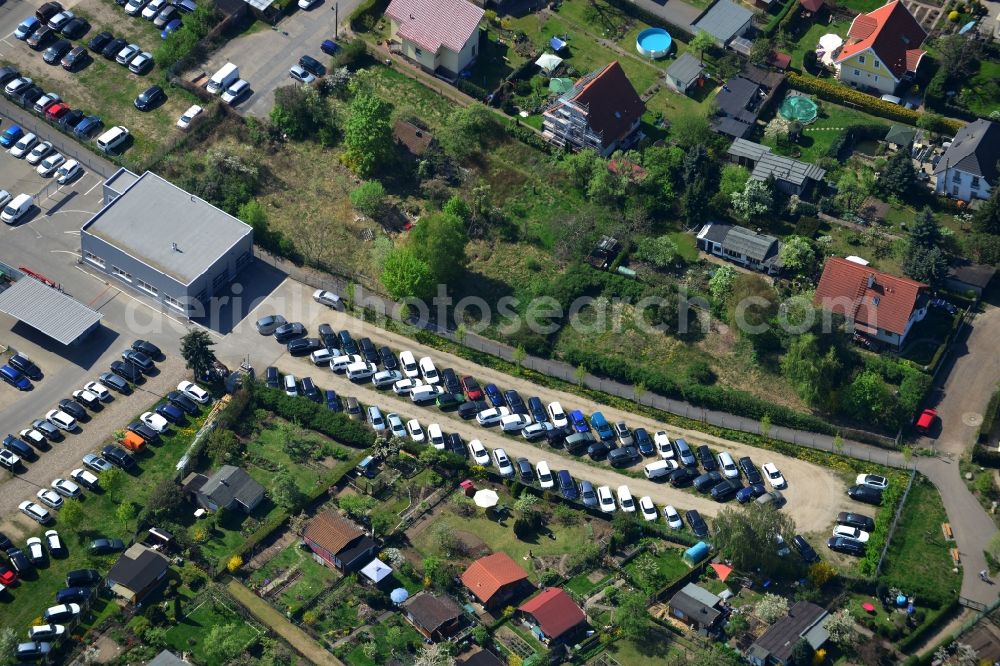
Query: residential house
column 790, row 175
column 685, row 73
column 696, row 607
column 968, row 168
column 725, row 20
column 552, row 615
column 970, row 277
column 739, row 102
column 228, row 488
column 441, row 36
column 138, row 572
column 880, row 306
column 740, row 246
column 805, row 620
column 601, row 111
column 481, row 658
column 415, row 140
column 167, row 658
column 435, row 617
column 882, row 49
column 337, row 542
column 900, row 137
column 496, row 580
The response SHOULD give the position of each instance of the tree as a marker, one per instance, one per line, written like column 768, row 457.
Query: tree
column 369, row 198
column 223, row 446
column 842, row 628
column 196, row 349
column 690, row 129
column 727, row 66
column 771, row 607
column 112, row 481
column 631, row 616
column 752, row 303
column 466, row 130
column 8, row 643
column 439, row 241
column 720, row 285
column 357, row 506
column 71, row 515
column 480, row 634
column 733, row 179
column 223, row 643
column 433, row 654
column 761, row 50
column 813, row 371
column 284, row 491
column 754, row 202
column 932, row 123
column 802, row 653
column 987, row 219
column 406, row 276
column 234, row 563
column 868, row 398
column 926, row 264
column 660, row 251
column 701, row 42
column 715, row 655
column 126, row 513
column 797, row 255
column 898, row 176
column 605, row 186
column 302, row 113
column 580, row 167
column 382, row 522
column 850, row 191
column 367, row 133
column 748, row 537
column 647, row 574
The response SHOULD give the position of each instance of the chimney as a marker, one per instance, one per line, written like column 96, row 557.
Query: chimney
column 871, row 280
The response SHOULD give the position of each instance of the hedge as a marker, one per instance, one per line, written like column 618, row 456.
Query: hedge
column 650, row 18
column 989, row 416
column 935, row 619
column 839, row 94
column 314, row 416
column 373, row 8
column 775, row 22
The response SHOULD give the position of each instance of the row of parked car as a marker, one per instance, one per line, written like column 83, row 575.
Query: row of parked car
column 853, row 530
column 164, row 14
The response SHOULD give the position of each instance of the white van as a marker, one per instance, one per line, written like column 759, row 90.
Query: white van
column 291, row 385
column 112, row 139
column 660, row 468
column 20, row 205
column 222, row 79
column 428, row 371
column 423, row 394
column 360, row 370
column 321, row 356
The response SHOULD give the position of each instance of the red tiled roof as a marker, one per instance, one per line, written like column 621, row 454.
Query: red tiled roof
column 779, row 60
column 432, row 24
column 613, row 104
column 554, row 611
column 892, row 33
column 886, row 304
column 487, row 575
column 331, row 531
column 811, row 5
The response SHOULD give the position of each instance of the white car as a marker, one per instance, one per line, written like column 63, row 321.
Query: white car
column 647, row 508
column 18, row 83
column 557, row 414
column 404, row 386
column 435, row 437
column 545, row 479
column 125, row 56
column 150, row 11
column 321, row 295
column 33, row 437
column 38, row 152
column 9, row 459
column 299, row 73
column 154, row 421
column 308, row 4
column 98, row 389
column 728, row 466
column 408, row 364
column 415, row 431
column 606, row 500
column 86, row 397
column 535, row 430
column 62, row 611
column 59, row 20
column 491, row 417
column 774, row 477
column 36, row 552
column 673, row 518
column 5, row 197
column 428, row 371
column 24, row 145
column 504, row 465
column 872, row 481
column 61, row 420
column 396, row 426
column 53, row 541
column 479, row 453
column 66, row 488
column 851, row 533
column 49, row 498
column 663, row 445
column 37, row 513
column 195, row 392
column 46, row 632
column 514, row 422
column 235, row 92
column 68, row 172
column 85, row 478
column 48, row 166
column 141, row 62
column 625, row 499
column 188, row 116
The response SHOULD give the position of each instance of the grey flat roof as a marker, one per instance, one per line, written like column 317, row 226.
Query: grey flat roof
column 767, row 164
column 61, row 317
column 747, row 149
column 686, row 69
column 121, row 180
column 152, row 213
column 723, row 20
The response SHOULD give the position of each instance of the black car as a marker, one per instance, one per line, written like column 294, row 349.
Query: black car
column 119, row 457
column 309, row 389
column 697, row 523
column 643, row 442
column 40, row 38
column 303, row 346
column 74, row 595
column 725, row 490
column 74, row 409
column 75, row 59
column 857, row 520
column 332, row 401
column 99, row 41
column 750, row 470
column 5, row 543
column 272, row 378
column 75, row 28
column 468, row 410
column 598, row 451
column 706, row 458
column 144, row 431
column 368, row 351
column 681, row 477
column 567, row 486
column 846, row 545
column 150, row 98
column 47, row 11
column 114, row 381
column 147, row 348
column 537, row 410
column 865, row 494
column 126, row 371
column 515, row 402
column 19, row 561
column 806, row 552
column 72, row 119
column 181, row 401
column 556, row 436
column 526, row 471
column 83, row 577
column 312, row 65
column 29, row 96
column 105, row 546
column 449, row 379
column 50, row 431
column 453, row 442
column 389, row 360
column 624, row 456
column 289, row 332
column 329, row 338
column 707, row 481
column 139, row 360
column 23, row 363
column 347, row 343
column 54, row 53
column 88, row 400
column 112, row 48
column 19, row 447
column 8, row 74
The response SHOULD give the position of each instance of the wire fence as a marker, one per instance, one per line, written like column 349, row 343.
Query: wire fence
column 895, row 520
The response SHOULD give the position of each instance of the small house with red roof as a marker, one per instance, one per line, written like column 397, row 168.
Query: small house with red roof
column 882, row 49
column 552, row 615
column 601, row 111
column 441, row 36
column 496, row 580
column 878, row 305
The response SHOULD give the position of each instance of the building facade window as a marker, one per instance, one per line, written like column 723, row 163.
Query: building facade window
column 146, row 287
column 861, row 59
column 877, row 63
column 857, row 72
column 975, row 182
column 174, row 303
column 121, row 274
column 94, row 259
column 956, row 177
column 220, row 279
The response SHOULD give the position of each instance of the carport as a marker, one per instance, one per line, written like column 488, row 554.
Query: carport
column 49, row 311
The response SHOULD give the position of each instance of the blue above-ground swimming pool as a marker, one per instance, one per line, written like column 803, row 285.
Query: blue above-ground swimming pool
column 653, row 42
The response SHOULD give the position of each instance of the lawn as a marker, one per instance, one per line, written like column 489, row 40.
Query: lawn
column 311, row 577
column 581, row 584
column 818, row 136
column 810, row 39
column 982, row 94
column 404, row 642
column 929, row 334
column 189, row 635
column 657, row 647
column 670, row 564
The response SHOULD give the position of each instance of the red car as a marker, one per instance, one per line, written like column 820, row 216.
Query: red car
column 7, row 577
column 471, row 388
column 926, row 421
column 56, row 111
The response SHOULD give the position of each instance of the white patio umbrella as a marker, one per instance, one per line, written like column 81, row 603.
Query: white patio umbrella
column 831, row 42
column 486, row 498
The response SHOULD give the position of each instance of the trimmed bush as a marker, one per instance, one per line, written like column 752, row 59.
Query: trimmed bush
column 776, row 21
column 314, row 416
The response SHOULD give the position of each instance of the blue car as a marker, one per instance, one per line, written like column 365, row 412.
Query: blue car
column 329, row 47
column 494, row 395
column 88, row 126
column 332, row 401
column 579, row 421
column 14, row 378
column 602, row 427
column 170, row 27
column 537, row 410
column 170, row 413
column 753, row 491
column 567, row 486
column 11, row 136
column 26, row 27
column 643, row 442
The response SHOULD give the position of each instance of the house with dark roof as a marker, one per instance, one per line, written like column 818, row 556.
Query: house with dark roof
column 878, row 305
column 415, row 140
column 496, row 580
column 741, row 246
column 167, row 658
column 685, row 73
column 337, row 542
column 481, row 658
column 968, row 168
column 724, row 21
column 882, row 49
column 805, row 621
column 138, row 572
column 552, row 616
column 739, row 103
column 601, row 111
column 970, row 277
column 900, row 136
column 435, row 617
column 791, row 176
column 441, row 36
column 696, row 607
column 228, row 488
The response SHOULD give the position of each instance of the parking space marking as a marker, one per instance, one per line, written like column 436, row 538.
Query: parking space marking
column 92, row 188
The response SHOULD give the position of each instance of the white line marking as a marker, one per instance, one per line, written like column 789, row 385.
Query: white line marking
column 92, row 188
column 75, row 233
column 75, row 254
column 59, row 212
